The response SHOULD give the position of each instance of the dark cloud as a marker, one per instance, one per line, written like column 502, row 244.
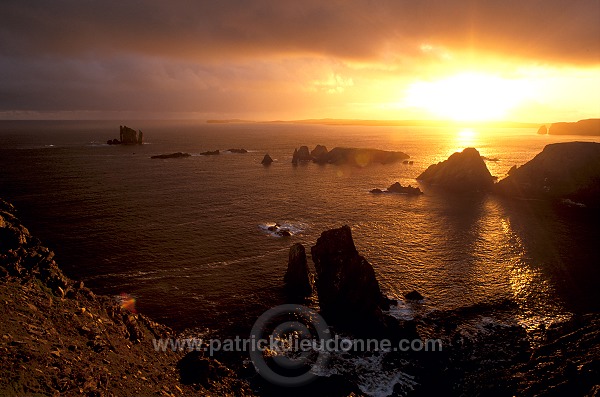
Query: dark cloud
column 550, row 29
column 217, row 55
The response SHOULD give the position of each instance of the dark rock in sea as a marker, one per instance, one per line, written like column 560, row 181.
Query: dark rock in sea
column 240, row 151
column 512, row 170
column 376, row 191
column 359, row 157
column 589, row 127
column 211, row 153
column 267, row 160
column 284, row 232
column 301, row 154
column 127, row 136
column 461, row 172
column 414, row 296
column 171, row 156
column 398, row 188
column 297, row 278
column 273, row 228
column 318, row 151
column 411, row 162
column 569, row 170
column 349, row 293
column 405, row 162
column 543, row 130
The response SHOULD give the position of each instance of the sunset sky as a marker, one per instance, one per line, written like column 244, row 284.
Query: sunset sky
column 534, row 61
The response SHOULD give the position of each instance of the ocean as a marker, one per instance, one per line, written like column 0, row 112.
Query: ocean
column 188, row 238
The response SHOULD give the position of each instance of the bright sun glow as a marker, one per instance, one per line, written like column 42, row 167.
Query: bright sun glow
column 468, row 96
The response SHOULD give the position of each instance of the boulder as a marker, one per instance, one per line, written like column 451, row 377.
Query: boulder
column 301, row 154
column 171, row 156
column 463, row 172
column 298, row 278
column 569, row 170
column 318, row 151
column 267, row 160
column 349, row 294
column 376, row 191
column 359, row 157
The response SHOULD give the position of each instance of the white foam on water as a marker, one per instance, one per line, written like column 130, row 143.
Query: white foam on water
column 293, row 227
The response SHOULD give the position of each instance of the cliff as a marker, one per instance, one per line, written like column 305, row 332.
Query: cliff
column 590, row 127
column 569, row 170
column 59, row 338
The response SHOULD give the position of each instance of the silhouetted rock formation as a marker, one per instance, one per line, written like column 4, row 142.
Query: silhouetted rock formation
column 398, row 188
column 569, row 170
column 267, row 160
column 349, row 294
column 297, row 277
column 171, row 156
column 318, row 151
column 127, row 136
column 240, row 151
column 465, row 171
column 543, row 130
column 301, row 154
column 414, row 296
column 590, row 127
column 359, row 157
column 210, row 153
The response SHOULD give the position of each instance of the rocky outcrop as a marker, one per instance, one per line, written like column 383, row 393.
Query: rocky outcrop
column 59, row 338
column 239, row 151
column 318, row 151
column 543, row 130
column 127, row 136
column 301, row 154
column 398, row 188
column 589, row 127
column 171, row 156
column 349, row 293
column 569, row 170
column 462, row 172
column 267, row 160
column 359, row 157
column 298, row 280
column 210, row 153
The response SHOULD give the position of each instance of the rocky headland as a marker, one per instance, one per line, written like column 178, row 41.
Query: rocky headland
column 589, row 127
column 569, row 170
column 59, row 338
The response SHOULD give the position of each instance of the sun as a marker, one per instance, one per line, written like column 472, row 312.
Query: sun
column 468, row 96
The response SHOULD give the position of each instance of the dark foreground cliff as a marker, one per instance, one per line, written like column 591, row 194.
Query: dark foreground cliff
column 58, row 338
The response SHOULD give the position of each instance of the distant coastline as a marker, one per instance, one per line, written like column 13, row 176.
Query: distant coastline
column 386, row 123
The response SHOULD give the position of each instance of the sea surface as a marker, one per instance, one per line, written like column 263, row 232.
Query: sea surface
column 188, row 238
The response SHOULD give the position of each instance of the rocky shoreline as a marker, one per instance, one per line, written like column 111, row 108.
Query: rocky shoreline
column 59, row 338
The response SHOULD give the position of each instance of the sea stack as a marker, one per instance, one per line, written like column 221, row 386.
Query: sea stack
column 297, row 278
column 267, row 160
column 462, row 172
